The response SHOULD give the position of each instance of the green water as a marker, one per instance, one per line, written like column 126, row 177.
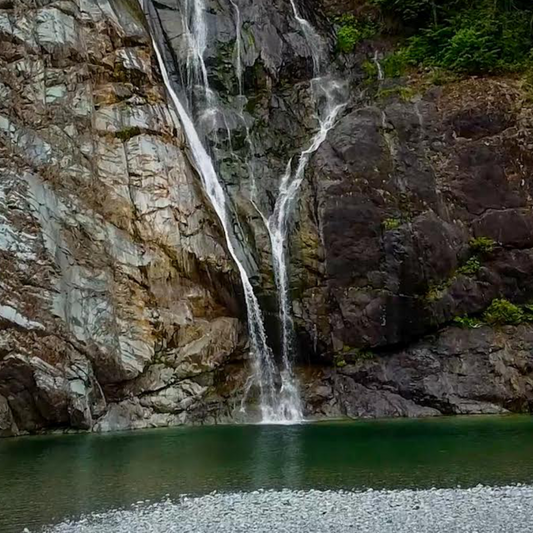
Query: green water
column 45, row 479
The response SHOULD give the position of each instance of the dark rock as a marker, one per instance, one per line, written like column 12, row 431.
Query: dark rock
column 459, row 371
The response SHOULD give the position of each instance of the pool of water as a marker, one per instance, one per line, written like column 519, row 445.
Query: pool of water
column 46, row 479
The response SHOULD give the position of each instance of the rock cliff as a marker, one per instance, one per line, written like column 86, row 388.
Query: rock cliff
column 117, row 297
column 119, row 305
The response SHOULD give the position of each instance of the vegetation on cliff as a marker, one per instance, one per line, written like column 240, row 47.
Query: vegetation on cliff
column 486, row 36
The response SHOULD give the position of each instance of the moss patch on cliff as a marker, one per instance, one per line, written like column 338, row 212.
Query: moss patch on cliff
column 127, row 133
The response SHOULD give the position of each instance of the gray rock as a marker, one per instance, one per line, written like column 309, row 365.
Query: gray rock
column 8, row 428
column 459, row 371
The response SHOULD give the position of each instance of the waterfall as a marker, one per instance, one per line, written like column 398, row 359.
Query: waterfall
column 278, row 229
column 283, row 405
column 264, row 370
column 379, row 68
column 238, row 45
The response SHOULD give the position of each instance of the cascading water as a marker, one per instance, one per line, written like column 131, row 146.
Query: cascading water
column 264, row 371
column 278, row 229
column 314, row 40
column 329, row 90
column 283, row 405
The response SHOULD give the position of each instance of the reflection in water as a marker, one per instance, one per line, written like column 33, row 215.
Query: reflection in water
column 44, row 479
column 277, row 458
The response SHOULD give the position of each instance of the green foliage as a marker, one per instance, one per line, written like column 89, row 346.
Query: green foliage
column 482, row 245
column 352, row 31
column 370, row 69
column 465, row 36
column 363, row 354
column 408, row 10
column 528, row 312
column 502, row 312
column 395, row 65
column 390, row 224
column 471, row 267
column 467, row 322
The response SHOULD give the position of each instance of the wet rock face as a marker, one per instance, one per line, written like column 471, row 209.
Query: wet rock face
column 256, row 124
column 393, row 199
column 115, row 279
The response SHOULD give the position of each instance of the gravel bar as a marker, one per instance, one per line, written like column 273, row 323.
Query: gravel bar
column 475, row 510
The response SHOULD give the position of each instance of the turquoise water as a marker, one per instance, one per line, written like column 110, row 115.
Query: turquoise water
column 45, row 479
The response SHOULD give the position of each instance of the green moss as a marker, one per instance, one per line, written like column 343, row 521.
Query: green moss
column 339, row 362
column 482, row 245
column 471, row 267
column 390, row 224
column 127, row 133
column 437, row 291
column 405, row 93
column 502, row 312
column 351, row 355
column 133, row 7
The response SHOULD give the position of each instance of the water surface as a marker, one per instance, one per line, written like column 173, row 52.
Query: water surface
column 45, row 479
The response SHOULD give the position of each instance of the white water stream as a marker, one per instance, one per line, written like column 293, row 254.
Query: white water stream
column 323, row 88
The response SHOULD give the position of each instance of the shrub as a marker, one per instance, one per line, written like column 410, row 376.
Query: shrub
column 370, row 69
column 395, row 65
column 408, row 10
column 463, row 36
column 502, row 312
column 352, row 31
column 528, row 312
column 470, row 51
column 482, row 245
column 471, row 267
column 390, row 224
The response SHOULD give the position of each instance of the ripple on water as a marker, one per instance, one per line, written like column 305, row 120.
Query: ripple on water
column 476, row 510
